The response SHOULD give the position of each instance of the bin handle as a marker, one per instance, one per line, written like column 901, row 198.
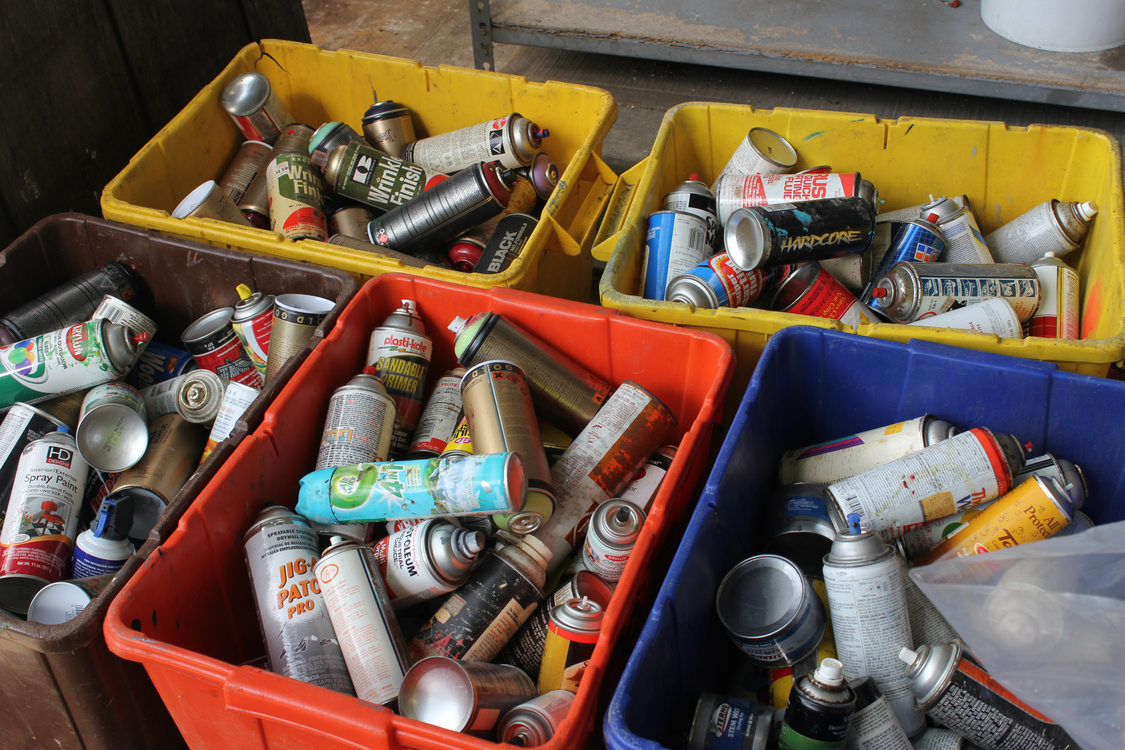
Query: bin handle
column 620, row 201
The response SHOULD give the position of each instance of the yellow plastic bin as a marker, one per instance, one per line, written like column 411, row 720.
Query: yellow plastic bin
column 1004, row 170
column 319, row 86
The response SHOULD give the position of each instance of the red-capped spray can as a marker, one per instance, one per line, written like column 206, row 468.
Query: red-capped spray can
column 42, row 518
column 1058, row 311
column 911, row 291
column 252, row 322
column 400, row 352
column 427, row 559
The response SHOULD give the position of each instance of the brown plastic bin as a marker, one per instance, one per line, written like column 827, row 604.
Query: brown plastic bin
column 59, row 685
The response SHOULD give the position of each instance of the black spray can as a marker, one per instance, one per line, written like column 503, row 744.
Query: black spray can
column 820, row 708
column 444, row 210
column 763, row 236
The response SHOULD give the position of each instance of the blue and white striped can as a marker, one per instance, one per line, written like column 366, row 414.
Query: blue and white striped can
column 914, row 240
column 675, row 243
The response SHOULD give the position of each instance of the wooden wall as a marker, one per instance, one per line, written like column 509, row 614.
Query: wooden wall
column 86, row 83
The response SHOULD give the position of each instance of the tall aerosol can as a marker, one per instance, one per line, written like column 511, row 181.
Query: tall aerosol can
column 819, row 711
column 400, row 352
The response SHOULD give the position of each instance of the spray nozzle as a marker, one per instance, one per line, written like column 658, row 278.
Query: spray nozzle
column 1028, row 447
column 243, row 291
column 136, row 338
column 693, row 177
column 63, row 428
column 114, row 519
column 878, row 292
column 456, row 325
column 830, row 672
column 854, row 526
column 907, row 656
column 1087, row 210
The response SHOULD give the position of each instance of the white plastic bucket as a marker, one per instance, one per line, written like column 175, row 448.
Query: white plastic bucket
column 1075, row 26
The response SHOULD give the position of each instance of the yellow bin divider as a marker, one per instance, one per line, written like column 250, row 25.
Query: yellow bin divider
column 1004, row 170
column 321, row 86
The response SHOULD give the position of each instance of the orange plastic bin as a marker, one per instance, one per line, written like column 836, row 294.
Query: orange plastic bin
column 188, row 614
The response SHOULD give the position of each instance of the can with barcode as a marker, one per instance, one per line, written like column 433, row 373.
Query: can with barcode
column 359, row 424
column 693, row 197
column 676, row 242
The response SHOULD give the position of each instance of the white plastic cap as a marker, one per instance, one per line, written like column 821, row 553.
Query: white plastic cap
column 536, row 548
column 830, row 672
column 907, row 656
column 1087, row 210
column 456, row 325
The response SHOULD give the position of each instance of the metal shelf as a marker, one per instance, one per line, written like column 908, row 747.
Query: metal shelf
column 924, row 45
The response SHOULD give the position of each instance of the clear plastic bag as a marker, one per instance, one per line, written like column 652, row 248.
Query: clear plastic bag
column 1047, row 620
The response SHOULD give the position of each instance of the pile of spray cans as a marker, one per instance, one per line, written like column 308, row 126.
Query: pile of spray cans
column 466, row 199
column 103, row 424
column 856, row 655
column 815, row 243
column 454, row 556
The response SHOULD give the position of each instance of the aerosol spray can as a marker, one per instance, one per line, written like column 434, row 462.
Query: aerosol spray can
column 365, row 624
column 195, row 396
column 363, row 174
column 66, row 360
column 250, row 159
column 359, row 424
column 572, row 634
column 462, row 696
column 123, row 314
column 874, row 725
column 853, row 454
column 439, row 417
column 387, row 126
column 721, row 722
column 22, row 425
column 426, row 560
column 602, row 460
column 1051, row 227
column 477, row 619
column 565, row 393
column 733, row 191
column 112, row 432
column 810, row 290
column 867, row 605
column 963, row 697
column 693, row 197
column 765, row 236
column 496, row 398
column 105, row 546
column 965, row 470
column 535, row 722
column 995, row 316
column 69, row 303
column 963, row 240
column 280, row 549
column 612, row 534
column 400, row 352
column 911, row 291
column 717, row 282
column 675, row 243
column 254, row 106
column 215, row 346
column 642, row 490
column 1058, row 311
column 296, row 202
column 1068, row 474
column 512, row 140
column 236, row 400
column 252, row 322
column 42, row 518
column 820, row 709
column 445, row 210
column 762, row 151
column 915, row 240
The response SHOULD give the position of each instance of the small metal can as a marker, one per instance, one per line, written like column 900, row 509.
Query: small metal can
column 693, row 197
column 296, row 201
column 280, row 551
column 463, row 696
column 1058, row 311
column 351, row 222
column 995, row 316
column 769, row 609
column 565, row 393
column 62, row 601
column 725, row 722
column 512, row 140
column 790, row 233
column 1051, row 227
column 961, row 696
column 911, row 291
column 122, row 313
column 733, row 191
column 602, row 460
column 915, row 240
column 252, row 322
column 388, row 127
column 963, row 240
column 424, row 560
column 610, row 538
column 439, row 417
column 676, row 242
column 762, row 151
column 41, row 521
column 572, row 634
column 234, row 403
column 810, row 290
column 195, row 396
column 254, row 106
column 215, row 346
column 400, row 352
column 717, row 282
column 71, row 302
column 359, row 424
column 365, row 625
column 535, row 722
column 251, row 158
column 496, row 398
column 112, row 432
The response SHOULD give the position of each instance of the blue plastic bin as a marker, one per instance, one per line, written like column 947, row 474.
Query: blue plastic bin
column 812, row 385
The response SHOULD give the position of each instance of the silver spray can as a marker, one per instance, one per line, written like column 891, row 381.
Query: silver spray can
column 1052, row 226
column 911, row 291
column 963, row 240
column 535, row 722
column 248, row 161
column 280, row 549
column 425, row 560
column 512, row 140
column 254, row 106
column 359, row 424
column 439, row 417
column 867, row 605
column 365, row 625
column 1059, row 303
column 463, row 696
column 613, row 532
column 195, row 396
column 400, row 352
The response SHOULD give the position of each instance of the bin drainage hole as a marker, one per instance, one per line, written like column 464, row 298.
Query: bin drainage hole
column 135, row 624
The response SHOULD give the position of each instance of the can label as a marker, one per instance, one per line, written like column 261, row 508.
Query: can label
column 296, row 203
column 732, row 286
column 676, row 243
column 955, row 474
column 378, row 180
column 853, row 454
column 963, row 240
column 941, row 292
column 458, row 149
column 400, row 359
column 607, row 561
column 236, row 400
column 744, row 190
column 1057, row 314
column 159, row 362
column 361, row 493
column 403, row 561
column 54, row 363
column 357, row 429
column 223, row 355
column 300, row 640
column 828, row 298
column 439, row 418
column 42, row 518
column 254, row 334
